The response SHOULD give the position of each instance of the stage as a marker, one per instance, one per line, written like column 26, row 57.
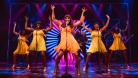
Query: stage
column 22, row 72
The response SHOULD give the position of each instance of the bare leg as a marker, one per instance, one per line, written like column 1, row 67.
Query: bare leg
column 110, row 55
column 27, row 58
column 14, row 60
column 43, row 56
column 31, row 54
column 78, row 62
column 106, row 60
column 60, row 54
column 87, row 59
column 126, row 59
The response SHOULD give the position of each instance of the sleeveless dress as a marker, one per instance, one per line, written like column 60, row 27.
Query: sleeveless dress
column 38, row 42
column 22, row 46
column 96, row 45
column 117, row 43
column 72, row 44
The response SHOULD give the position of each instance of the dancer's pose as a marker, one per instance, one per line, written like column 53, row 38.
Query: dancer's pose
column 72, row 44
column 38, row 42
column 118, row 43
column 22, row 45
column 96, row 44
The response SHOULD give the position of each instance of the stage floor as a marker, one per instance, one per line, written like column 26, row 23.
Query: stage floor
column 21, row 71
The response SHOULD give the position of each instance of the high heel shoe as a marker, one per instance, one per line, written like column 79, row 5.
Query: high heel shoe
column 13, row 68
column 44, row 69
column 55, row 72
column 85, row 69
column 127, row 67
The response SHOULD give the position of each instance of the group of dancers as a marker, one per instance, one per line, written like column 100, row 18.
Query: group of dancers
column 67, row 41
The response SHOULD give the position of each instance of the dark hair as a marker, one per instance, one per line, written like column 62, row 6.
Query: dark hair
column 70, row 22
column 115, row 31
column 22, row 31
column 38, row 22
column 94, row 24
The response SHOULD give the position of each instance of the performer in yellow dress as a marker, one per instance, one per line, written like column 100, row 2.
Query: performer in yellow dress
column 68, row 38
column 38, row 42
column 96, row 44
column 22, row 45
column 118, row 44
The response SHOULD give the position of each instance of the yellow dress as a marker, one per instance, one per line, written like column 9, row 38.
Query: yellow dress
column 96, row 45
column 117, row 43
column 38, row 42
column 72, row 44
column 22, row 46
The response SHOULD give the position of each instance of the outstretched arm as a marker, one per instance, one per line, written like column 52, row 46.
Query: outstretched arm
column 109, row 32
column 106, row 25
column 49, row 28
column 81, row 18
column 26, row 24
column 53, row 16
column 89, row 30
column 16, row 33
column 126, row 27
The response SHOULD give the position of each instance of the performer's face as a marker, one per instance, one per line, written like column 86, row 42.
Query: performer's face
column 67, row 19
column 96, row 26
column 23, row 32
column 116, row 28
column 38, row 25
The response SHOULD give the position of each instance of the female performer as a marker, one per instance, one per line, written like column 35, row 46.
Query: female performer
column 38, row 42
column 22, row 45
column 118, row 43
column 67, row 38
column 96, row 43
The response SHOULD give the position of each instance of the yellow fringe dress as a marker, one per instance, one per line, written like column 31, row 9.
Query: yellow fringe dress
column 117, row 43
column 96, row 43
column 38, row 42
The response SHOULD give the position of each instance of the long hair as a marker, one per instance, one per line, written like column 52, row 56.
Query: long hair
column 94, row 24
column 70, row 22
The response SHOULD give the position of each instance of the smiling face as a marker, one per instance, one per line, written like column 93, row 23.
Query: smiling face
column 115, row 28
column 67, row 19
column 23, row 32
column 96, row 26
column 38, row 25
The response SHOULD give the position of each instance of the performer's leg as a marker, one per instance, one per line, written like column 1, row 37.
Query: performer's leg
column 31, row 55
column 87, row 59
column 14, row 60
column 43, row 56
column 126, row 58
column 77, row 62
column 110, row 55
column 60, row 54
column 27, row 58
column 106, row 60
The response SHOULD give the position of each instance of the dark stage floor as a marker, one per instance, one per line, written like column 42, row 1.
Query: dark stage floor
column 21, row 72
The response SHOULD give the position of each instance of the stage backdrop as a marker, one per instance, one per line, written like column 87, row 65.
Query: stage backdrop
column 40, row 12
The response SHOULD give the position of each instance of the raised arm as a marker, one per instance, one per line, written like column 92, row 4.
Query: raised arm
column 81, row 18
column 106, row 25
column 126, row 27
column 53, row 16
column 50, row 27
column 16, row 33
column 89, row 30
column 26, row 24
